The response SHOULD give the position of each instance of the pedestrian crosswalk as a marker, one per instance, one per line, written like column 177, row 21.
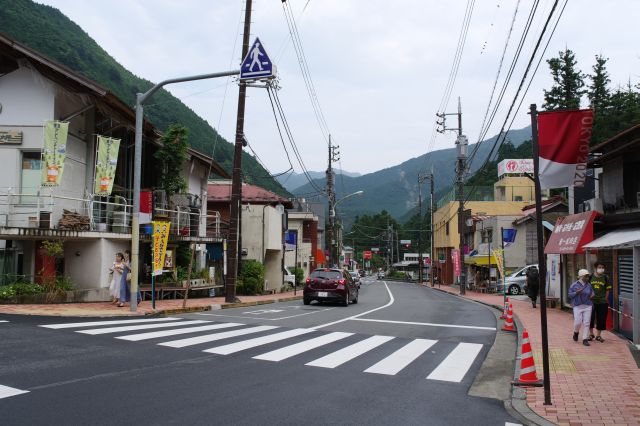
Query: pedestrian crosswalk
column 389, row 355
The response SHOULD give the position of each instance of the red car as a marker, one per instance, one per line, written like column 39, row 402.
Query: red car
column 330, row 285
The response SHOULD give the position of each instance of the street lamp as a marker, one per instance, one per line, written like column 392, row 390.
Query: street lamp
column 332, row 218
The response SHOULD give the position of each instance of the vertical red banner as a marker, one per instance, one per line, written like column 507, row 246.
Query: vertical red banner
column 457, row 267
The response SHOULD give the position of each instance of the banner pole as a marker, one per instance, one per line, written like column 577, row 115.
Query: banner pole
column 504, row 268
column 542, row 265
column 153, row 265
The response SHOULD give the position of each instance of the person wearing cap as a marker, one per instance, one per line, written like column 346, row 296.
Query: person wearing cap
column 581, row 294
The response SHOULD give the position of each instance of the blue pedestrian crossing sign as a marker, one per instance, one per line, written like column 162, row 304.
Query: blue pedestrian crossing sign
column 256, row 65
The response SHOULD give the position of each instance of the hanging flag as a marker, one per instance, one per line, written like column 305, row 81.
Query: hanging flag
column 106, row 162
column 54, row 153
column 160, row 238
column 563, row 141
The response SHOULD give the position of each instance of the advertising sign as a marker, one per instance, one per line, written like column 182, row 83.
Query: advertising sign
column 455, row 254
column 375, row 249
column 106, row 162
column 54, row 153
column 366, row 254
column 160, row 238
column 512, row 166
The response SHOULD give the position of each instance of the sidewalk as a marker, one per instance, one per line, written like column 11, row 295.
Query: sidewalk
column 105, row 309
column 596, row 385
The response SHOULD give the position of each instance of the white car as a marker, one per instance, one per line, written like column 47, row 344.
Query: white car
column 289, row 278
column 356, row 277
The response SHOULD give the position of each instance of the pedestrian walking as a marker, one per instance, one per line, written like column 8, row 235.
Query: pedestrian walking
column 533, row 284
column 116, row 278
column 581, row 294
column 125, row 282
column 601, row 289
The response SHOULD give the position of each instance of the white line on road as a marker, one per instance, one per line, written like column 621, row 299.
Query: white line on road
column 6, row 391
column 391, row 300
column 338, row 358
column 266, row 319
column 4, row 321
column 457, row 363
column 107, row 330
column 215, row 336
column 165, row 333
column 94, row 323
column 404, row 356
column 298, row 348
column 258, row 341
column 427, row 324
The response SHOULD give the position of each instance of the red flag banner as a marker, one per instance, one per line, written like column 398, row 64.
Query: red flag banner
column 563, row 141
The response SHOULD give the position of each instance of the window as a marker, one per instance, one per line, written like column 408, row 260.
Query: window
column 446, row 227
column 30, row 175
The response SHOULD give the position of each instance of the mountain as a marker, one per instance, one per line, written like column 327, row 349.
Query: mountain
column 395, row 189
column 294, row 180
column 46, row 30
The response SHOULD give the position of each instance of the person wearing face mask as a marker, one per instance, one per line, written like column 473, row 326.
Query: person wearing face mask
column 581, row 294
column 601, row 288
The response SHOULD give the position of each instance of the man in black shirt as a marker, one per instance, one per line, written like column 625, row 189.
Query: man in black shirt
column 601, row 288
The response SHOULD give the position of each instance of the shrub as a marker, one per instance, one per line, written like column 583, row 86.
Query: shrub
column 299, row 273
column 19, row 289
column 251, row 278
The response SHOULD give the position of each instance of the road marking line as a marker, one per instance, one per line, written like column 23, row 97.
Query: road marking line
column 165, row 333
column 338, row 358
column 95, row 331
column 266, row 319
column 404, row 356
column 181, row 343
column 7, row 391
column 4, row 321
column 427, row 324
column 454, row 367
column 258, row 341
column 391, row 300
column 298, row 348
column 94, row 323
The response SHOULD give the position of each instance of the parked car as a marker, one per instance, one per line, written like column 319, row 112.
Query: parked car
column 356, row 277
column 289, row 278
column 516, row 283
column 380, row 274
column 330, row 284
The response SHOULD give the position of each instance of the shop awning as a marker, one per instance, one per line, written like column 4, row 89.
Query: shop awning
column 620, row 238
column 480, row 260
column 571, row 233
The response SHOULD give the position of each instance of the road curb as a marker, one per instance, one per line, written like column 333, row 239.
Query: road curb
column 518, row 402
column 178, row 311
column 254, row 303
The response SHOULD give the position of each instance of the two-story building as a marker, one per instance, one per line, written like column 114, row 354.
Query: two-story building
column 35, row 90
column 304, row 222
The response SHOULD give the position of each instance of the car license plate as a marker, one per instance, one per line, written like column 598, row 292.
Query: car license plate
column 322, row 294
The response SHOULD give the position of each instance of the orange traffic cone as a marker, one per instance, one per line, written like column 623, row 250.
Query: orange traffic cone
column 508, row 323
column 528, row 376
column 505, row 308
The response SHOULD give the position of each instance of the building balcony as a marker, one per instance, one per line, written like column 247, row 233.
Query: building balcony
column 36, row 214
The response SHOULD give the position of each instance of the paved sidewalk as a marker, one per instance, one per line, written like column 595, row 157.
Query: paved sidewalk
column 596, row 385
column 105, row 309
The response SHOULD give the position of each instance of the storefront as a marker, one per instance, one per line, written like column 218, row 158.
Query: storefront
column 569, row 236
column 622, row 246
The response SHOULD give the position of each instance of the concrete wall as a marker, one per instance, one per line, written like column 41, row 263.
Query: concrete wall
column 263, row 241
column 87, row 262
column 510, row 187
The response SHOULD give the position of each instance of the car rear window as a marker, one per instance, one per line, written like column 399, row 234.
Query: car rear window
column 326, row 275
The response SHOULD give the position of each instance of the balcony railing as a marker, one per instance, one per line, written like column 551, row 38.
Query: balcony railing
column 49, row 211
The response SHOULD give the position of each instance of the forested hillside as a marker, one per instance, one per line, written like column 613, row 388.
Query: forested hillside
column 46, row 30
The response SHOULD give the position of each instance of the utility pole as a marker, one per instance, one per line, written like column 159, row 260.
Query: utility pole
column 422, row 178
column 331, row 196
column 432, row 254
column 235, row 220
column 461, row 167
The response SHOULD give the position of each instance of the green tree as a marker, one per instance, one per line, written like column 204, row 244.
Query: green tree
column 598, row 90
column 568, row 83
column 171, row 157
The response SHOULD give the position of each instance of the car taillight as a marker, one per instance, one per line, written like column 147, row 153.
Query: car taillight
column 308, row 280
column 342, row 281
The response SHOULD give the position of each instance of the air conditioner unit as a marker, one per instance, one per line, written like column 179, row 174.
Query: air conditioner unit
column 594, row 204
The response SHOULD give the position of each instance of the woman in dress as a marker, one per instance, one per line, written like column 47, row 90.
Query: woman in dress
column 125, row 293
column 116, row 277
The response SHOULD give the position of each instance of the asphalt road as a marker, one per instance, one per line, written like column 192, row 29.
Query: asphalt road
column 404, row 354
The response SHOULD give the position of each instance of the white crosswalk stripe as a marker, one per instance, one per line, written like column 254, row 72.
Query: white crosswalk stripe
column 4, row 321
column 7, row 391
column 216, row 336
column 108, row 330
column 258, row 341
column 165, row 333
column 454, row 367
column 112, row 322
column 298, row 348
column 404, row 356
column 338, row 358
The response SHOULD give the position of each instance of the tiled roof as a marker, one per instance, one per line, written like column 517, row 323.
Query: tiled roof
column 221, row 191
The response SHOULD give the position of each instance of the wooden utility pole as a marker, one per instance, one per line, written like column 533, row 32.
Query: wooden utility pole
column 235, row 220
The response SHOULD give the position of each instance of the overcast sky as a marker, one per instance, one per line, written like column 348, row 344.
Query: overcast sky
column 379, row 67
